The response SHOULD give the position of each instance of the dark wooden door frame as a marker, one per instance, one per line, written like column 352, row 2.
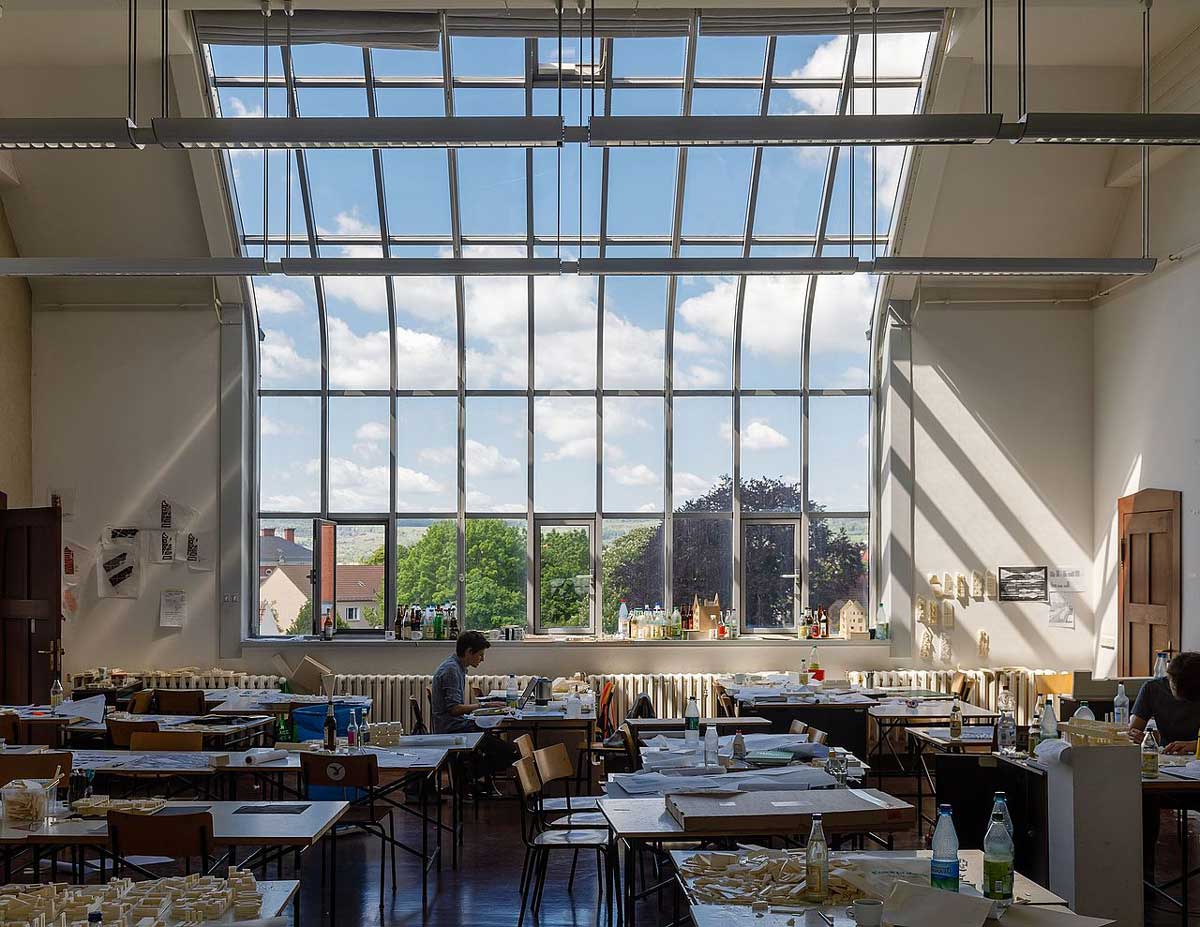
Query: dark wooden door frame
column 30, row 602
column 1145, row 501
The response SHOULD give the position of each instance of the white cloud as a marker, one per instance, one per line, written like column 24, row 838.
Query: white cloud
column 827, row 61
column 841, row 313
column 279, row 359
column 901, row 54
column 372, row 431
column 239, row 110
column 285, row 502
column 414, row 481
column 634, row 475
column 276, row 300
column 484, row 460
column 852, row 378
column 697, row 376
column 575, row 449
column 633, row 355
column 354, row 487
column 650, row 507
column 268, row 427
column 689, row 485
column 439, row 456
column 757, row 435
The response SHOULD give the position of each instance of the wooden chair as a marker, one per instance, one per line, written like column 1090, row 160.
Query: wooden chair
column 725, row 705
column 962, row 685
column 524, row 744
column 358, row 776
column 34, row 766
column 632, row 754
column 167, row 741
column 554, row 765
column 119, row 732
column 797, row 727
column 816, row 736
column 179, row 701
column 180, row 836
column 418, row 718
column 141, row 702
column 540, row 843
column 1054, row 684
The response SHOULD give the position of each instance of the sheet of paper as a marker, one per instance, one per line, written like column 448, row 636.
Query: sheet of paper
column 167, row 514
column 119, row 572
column 1066, row 579
column 1061, row 610
column 172, row 608
column 90, row 709
column 160, row 546
column 1027, row 915
column 195, row 548
column 911, row 905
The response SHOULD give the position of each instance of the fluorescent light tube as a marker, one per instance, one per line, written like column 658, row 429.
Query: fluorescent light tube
column 420, row 267
column 1014, row 266
column 21, row 133
column 1110, row 128
column 362, row 132
column 717, row 266
column 902, row 129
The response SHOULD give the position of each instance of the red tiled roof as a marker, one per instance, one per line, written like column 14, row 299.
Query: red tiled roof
column 356, row 582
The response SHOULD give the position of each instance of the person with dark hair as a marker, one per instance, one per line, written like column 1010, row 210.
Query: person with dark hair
column 1173, row 702
column 450, row 706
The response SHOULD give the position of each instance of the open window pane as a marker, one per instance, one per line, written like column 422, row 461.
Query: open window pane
column 496, row 578
column 284, row 588
column 837, row 568
column 633, row 454
column 839, row 447
column 564, row 554
column 564, row 470
column 289, row 454
column 772, row 575
column 496, row 454
column 632, row 562
column 359, row 577
column 702, row 560
column 359, row 451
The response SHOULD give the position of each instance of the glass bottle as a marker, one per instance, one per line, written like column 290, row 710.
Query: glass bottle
column 816, row 863
column 1150, row 751
column 955, row 719
column 330, row 728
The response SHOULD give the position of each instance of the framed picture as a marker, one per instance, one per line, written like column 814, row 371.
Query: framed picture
column 1024, row 584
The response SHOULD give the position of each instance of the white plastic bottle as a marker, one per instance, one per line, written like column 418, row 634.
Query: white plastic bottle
column 1121, row 706
column 1083, row 713
column 711, row 744
column 511, row 693
column 1049, row 720
column 623, row 621
column 691, row 723
column 1160, row 665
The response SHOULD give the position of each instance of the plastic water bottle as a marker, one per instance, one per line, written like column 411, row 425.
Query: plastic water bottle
column 1150, row 751
column 1083, row 713
column 511, row 692
column 1121, row 706
column 943, row 869
column 1160, row 665
column 1000, row 806
column 816, row 863
column 998, row 862
column 623, row 621
column 691, row 723
column 1006, row 733
column 1005, row 701
column 711, row 745
column 1049, row 721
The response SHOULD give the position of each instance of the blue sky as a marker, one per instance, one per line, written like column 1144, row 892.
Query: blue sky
column 567, row 317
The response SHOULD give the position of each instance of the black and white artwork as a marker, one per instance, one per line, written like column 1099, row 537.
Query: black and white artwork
column 1024, row 584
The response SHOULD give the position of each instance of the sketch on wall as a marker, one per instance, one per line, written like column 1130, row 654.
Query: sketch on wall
column 1023, row 584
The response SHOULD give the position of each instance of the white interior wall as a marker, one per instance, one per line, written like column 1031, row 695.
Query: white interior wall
column 1147, row 380
column 16, row 468
column 1002, row 460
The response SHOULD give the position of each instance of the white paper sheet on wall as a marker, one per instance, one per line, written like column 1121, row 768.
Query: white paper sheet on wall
column 77, row 562
column 160, row 546
column 172, row 608
column 168, row 514
column 1066, row 579
column 1061, row 610
column 195, row 548
column 119, row 574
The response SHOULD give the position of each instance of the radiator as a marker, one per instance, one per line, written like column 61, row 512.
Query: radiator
column 986, row 689
column 669, row 692
column 390, row 693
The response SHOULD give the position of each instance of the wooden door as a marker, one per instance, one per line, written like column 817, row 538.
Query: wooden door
column 30, row 603
column 1149, row 609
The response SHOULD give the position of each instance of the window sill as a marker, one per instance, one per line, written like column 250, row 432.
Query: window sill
column 744, row 641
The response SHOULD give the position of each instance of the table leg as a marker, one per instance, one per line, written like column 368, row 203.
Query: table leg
column 1183, row 856
column 424, row 845
column 437, row 792
column 629, row 886
column 920, row 794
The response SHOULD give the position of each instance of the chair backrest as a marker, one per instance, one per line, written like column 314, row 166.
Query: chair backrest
column 797, row 726
column 141, row 702
column 34, row 766
column 604, row 708
column 524, row 744
column 418, row 718
column 8, row 727
column 725, row 706
column 185, row 836
column 167, row 741
column 340, row 770
column 179, row 701
column 553, row 764
column 1054, row 683
column 527, row 777
column 816, row 737
column 961, row 685
column 119, row 732
column 632, row 753
column 642, row 707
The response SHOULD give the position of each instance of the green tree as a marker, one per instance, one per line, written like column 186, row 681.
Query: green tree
column 563, row 592
column 303, row 621
column 632, row 571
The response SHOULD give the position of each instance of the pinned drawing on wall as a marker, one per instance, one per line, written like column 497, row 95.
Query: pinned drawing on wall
column 160, row 546
column 172, row 608
column 945, row 648
column 948, row 585
column 1060, row 611
column 63, row 498
column 1066, row 579
column 120, row 572
column 195, row 548
column 919, row 611
column 960, row 585
column 170, row 515
column 119, row 534
column 947, row 615
column 976, row 584
column 926, row 650
column 1023, row 584
column 989, row 584
column 984, row 644
column 935, row 583
column 77, row 562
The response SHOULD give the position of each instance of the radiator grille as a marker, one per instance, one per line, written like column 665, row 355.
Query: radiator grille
column 216, row 679
column 985, row 692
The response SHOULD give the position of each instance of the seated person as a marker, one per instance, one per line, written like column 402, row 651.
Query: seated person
column 1174, row 703
column 450, row 707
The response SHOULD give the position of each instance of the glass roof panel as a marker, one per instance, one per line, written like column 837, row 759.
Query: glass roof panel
column 649, row 57
column 406, row 62
column 730, row 55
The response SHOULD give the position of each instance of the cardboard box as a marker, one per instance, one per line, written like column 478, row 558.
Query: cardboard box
column 789, row 812
column 308, row 677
